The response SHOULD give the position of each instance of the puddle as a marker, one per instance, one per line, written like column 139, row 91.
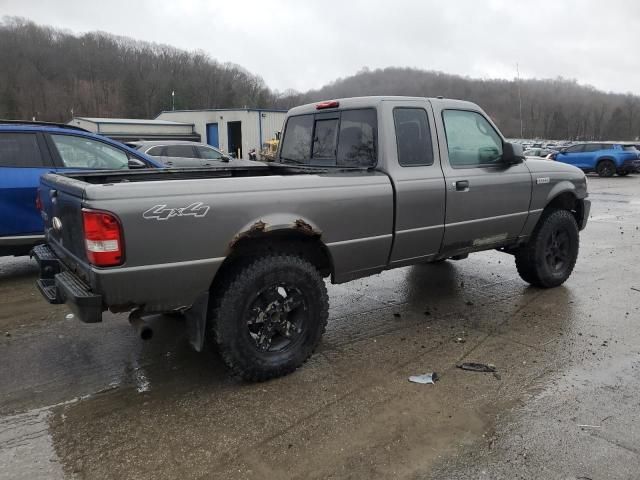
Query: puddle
column 26, row 447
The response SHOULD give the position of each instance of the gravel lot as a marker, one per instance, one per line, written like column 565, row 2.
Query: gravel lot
column 94, row 401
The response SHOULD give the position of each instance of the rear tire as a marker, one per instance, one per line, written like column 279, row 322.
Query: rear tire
column 268, row 316
column 606, row 168
column 549, row 257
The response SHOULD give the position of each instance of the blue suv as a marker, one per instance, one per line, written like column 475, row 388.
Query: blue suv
column 30, row 149
column 605, row 159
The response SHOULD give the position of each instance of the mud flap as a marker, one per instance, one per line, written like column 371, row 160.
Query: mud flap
column 196, row 320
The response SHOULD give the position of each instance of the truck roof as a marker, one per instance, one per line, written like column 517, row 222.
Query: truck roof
column 373, row 101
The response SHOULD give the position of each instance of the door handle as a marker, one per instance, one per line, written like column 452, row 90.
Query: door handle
column 462, row 185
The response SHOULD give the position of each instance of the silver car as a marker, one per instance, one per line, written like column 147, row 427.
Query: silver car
column 182, row 153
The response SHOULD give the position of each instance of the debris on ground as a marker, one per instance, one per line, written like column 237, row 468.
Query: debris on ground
column 460, row 340
column 590, row 426
column 7, row 334
column 477, row 367
column 424, row 379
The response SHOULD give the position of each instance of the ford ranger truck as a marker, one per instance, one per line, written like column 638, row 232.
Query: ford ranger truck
column 359, row 186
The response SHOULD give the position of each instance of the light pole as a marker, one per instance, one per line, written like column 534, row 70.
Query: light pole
column 173, row 99
column 520, row 101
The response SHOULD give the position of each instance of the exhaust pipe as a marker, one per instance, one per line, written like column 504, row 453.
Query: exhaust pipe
column 142, row 328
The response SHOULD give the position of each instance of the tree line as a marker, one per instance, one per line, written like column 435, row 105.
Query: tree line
column 52, row 75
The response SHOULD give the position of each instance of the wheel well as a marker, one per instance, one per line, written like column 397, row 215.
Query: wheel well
column 567, row 201
column 603, row 159
column 295, row 242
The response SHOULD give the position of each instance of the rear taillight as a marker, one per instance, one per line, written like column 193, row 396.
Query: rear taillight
column 102, row 238
column 38, row 201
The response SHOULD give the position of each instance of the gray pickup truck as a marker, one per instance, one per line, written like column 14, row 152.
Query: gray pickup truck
column 359, row 186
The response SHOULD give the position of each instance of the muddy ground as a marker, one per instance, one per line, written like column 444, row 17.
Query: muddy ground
column 94, row 401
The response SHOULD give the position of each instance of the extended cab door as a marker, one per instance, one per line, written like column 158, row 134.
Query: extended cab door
column 487, row 200
column 23, row 159
column 414, row 166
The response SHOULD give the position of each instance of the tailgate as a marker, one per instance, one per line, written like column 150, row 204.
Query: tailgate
column 61, row 199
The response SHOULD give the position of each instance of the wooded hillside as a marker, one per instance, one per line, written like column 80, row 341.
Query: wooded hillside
column 49, row 73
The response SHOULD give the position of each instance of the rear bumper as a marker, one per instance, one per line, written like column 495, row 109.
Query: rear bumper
column 58, row 285
column 632, row 166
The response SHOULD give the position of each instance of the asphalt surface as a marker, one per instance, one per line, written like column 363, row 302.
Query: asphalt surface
column 94, row 401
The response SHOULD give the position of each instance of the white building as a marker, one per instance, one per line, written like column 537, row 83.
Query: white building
column 131, row 129
column 231, row 130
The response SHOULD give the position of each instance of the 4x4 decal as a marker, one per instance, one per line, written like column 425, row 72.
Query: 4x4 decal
column 161, row 212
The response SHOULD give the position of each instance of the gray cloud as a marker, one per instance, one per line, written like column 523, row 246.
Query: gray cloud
column 304, row 45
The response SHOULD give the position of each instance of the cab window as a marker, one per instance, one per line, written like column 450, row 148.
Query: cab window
column 81, row 152
column 346, row 139
column 471, row 140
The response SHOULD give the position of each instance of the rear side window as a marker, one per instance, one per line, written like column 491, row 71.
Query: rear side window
column 413, row 137
column 20, row 150
column 629, row 148
column 346, row 139
column 184, row 151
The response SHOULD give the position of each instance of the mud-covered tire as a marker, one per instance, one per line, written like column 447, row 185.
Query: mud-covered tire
column 547, row 260
column 606, row 168
column 232, row 316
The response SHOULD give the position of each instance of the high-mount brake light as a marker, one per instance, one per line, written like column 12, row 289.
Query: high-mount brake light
column 102, row 238
column 328, row 104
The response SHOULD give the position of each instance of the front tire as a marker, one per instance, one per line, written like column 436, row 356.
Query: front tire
column 269, row 316
column 606, row 168
column 549, row 257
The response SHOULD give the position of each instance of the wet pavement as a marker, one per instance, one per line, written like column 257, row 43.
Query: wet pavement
column 93, row 401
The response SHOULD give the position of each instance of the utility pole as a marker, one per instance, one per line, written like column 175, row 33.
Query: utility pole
column 173, row 99
column 520, row 101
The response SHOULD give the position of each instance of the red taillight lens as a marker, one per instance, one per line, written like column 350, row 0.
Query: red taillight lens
column 38, row 201
column 102, row 238
column 328, row 104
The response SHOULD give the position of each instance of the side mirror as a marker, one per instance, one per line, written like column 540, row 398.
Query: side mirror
column 512, row 153
column 225, row 158
column 136, row 163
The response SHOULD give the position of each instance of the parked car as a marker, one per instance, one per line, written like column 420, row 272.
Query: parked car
column 359, row 186
column 606, row 159
column 30, row 149
column 539, row 152
column 182, row 153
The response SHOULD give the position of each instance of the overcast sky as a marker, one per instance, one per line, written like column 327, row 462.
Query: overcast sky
column 306, row 44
